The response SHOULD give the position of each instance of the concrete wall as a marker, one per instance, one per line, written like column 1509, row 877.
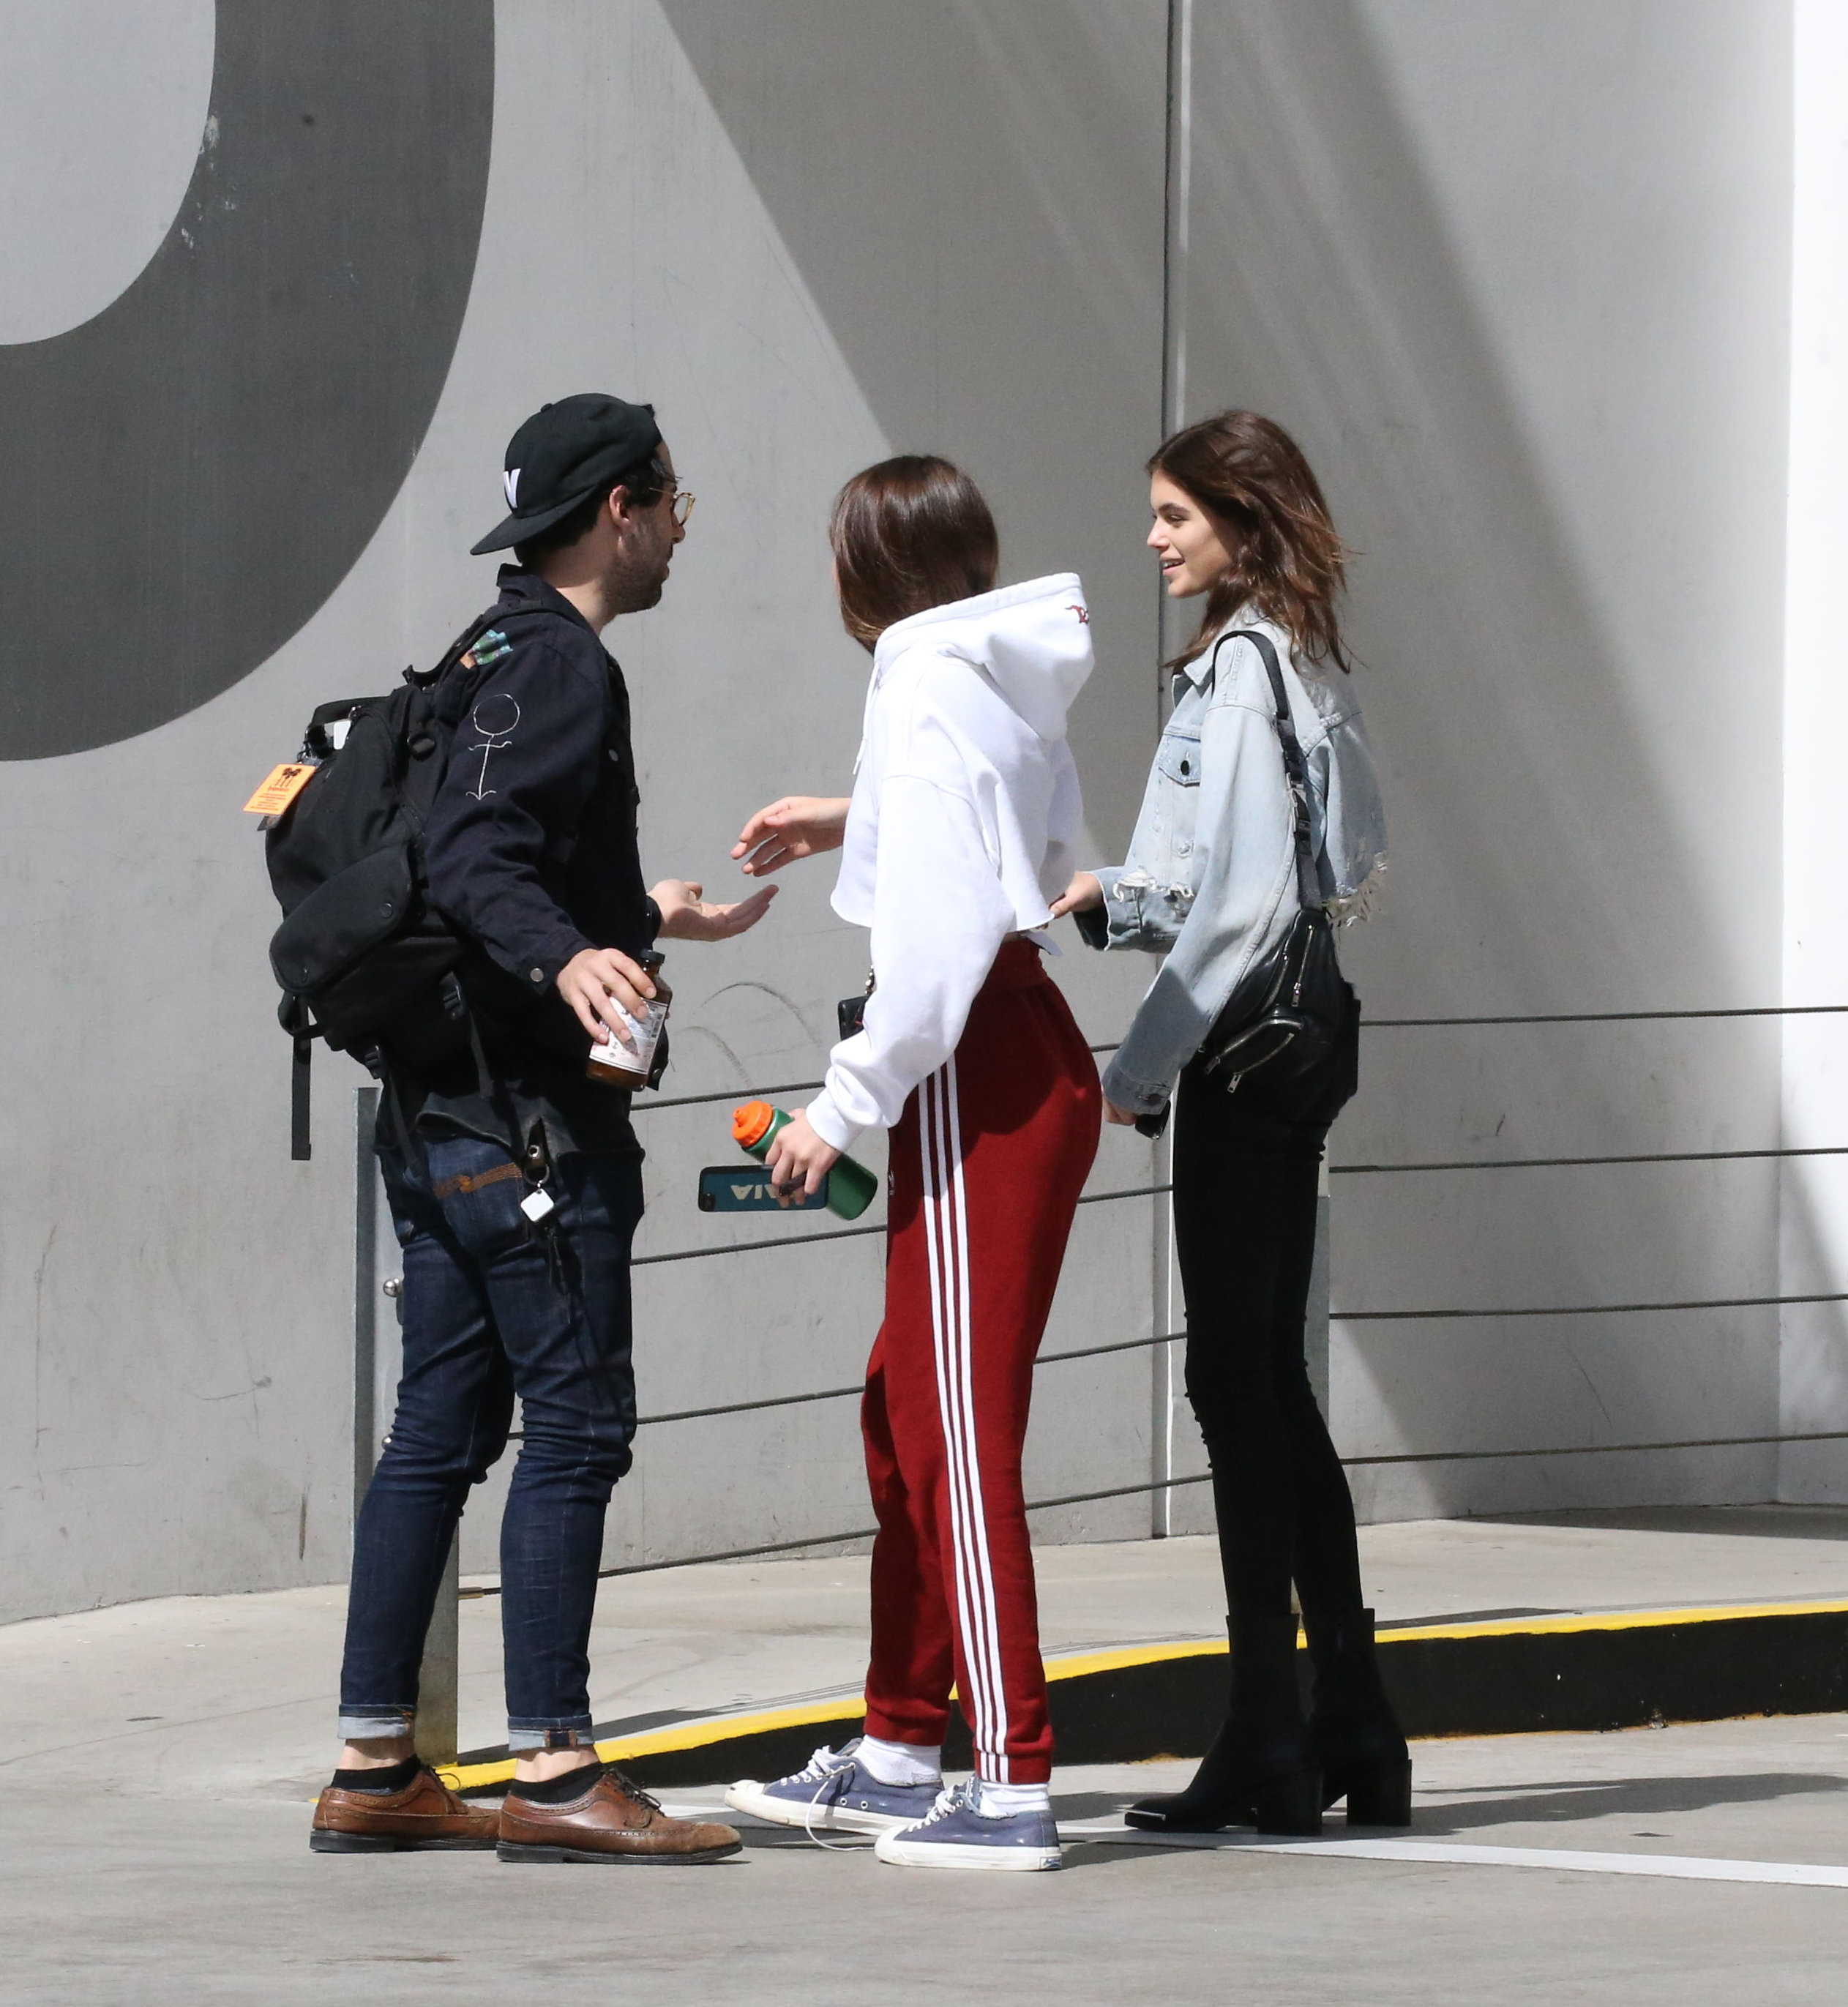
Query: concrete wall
column 1516, row 275
column 177, row 1294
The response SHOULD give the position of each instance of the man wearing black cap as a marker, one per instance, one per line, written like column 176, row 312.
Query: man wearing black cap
column 515, row 1180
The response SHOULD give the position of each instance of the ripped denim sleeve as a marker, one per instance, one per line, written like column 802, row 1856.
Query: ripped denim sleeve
column 1137, row 911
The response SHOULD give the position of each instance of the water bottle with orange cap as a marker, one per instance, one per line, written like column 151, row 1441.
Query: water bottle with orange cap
column 851, row 1186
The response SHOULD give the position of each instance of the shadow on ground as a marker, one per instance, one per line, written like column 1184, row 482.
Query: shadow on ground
column 1639, row 1797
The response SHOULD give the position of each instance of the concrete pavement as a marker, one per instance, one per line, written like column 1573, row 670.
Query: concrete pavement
column 115, row 1897
column 157, row 1761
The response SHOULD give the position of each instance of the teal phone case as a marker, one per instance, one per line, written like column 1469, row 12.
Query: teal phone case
column 746, row 1188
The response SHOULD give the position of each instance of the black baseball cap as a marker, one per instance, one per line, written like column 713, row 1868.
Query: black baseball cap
column 563, row 454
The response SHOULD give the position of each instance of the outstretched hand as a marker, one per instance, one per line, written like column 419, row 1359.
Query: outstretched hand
column 798, row 825
column 685, row 915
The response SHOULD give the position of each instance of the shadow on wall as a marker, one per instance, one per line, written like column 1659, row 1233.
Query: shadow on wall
column 1536, row 786
column 972, row 192
column 1584, row 791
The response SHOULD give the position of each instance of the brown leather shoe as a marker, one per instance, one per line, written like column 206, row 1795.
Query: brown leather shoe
column 615, row 1820
column 425, row 1815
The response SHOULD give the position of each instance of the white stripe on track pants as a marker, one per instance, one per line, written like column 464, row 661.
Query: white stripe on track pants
column 988, row 1161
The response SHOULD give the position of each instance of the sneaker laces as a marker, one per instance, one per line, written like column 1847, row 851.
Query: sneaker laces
column 820, row 1770
column 965, row 1796
column 824, row 1764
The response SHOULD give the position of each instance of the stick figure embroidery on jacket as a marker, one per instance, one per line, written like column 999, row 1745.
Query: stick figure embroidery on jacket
column 496, row 729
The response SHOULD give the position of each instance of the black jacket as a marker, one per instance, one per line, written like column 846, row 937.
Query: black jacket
column 531, row 849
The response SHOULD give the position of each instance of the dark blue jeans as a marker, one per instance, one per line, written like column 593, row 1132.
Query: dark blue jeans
column 490, row 1314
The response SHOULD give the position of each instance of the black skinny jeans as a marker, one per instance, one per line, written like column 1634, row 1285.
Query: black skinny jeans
column 1245, row 1169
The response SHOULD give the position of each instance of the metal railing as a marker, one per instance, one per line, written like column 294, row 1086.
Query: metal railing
column 844, row 1536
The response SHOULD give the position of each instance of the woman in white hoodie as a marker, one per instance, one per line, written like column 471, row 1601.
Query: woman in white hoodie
column 956, row 840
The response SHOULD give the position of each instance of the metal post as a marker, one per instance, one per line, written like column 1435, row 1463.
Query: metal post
column 436, row 1679
column 365, row 1295
column 1163, row 1382
column 1178, row 192
column 375, row 1366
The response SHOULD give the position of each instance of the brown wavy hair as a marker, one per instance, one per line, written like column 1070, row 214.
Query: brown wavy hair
column 1250, row 476
column 908, row 534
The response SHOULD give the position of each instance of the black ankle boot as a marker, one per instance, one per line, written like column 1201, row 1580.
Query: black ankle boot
column 1356, row 1736
column 1261, row 1769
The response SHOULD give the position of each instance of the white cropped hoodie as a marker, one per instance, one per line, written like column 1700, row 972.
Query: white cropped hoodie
column 964, row 816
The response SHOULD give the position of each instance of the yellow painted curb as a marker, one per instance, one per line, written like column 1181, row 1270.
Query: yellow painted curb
column 661, row 1741
column 710, row 1729
column 1612, row 1620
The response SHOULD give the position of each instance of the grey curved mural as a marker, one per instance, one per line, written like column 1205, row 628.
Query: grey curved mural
column 191, row 472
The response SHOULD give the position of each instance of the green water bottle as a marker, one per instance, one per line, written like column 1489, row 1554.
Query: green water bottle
column 851, row 1186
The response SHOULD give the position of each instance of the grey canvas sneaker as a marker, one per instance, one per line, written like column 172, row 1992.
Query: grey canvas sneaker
column 835, row 1793
column 959, row 1834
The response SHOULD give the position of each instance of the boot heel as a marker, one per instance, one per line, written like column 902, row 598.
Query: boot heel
column 1290, row 1805
column 1380, row 1796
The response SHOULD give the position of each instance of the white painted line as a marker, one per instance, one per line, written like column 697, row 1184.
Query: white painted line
column 1672, row 1866
column 1668, row 1867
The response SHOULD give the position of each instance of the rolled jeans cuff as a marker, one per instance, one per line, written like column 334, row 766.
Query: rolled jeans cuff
column 377, row 1724
column 524, row 1736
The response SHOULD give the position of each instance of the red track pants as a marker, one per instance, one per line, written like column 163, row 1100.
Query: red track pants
column 987, row 1163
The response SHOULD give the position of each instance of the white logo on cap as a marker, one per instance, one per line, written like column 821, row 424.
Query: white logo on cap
column 511, row 480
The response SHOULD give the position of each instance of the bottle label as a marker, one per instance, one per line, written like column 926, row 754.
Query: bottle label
column 634, row 1052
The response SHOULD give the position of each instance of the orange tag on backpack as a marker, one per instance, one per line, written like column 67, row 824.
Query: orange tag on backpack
column 283, row 785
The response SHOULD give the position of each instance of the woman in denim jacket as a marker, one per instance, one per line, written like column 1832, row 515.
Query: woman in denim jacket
column 1210, row 885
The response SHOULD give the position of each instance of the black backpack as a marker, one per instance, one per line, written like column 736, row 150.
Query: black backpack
column 367, row 963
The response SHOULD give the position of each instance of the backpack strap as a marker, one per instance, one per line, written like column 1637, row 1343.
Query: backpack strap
column 443, row 676
column 292, row 1014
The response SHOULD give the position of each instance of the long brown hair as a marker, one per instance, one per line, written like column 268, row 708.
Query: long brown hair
column 908, row 534
column 1250, row 476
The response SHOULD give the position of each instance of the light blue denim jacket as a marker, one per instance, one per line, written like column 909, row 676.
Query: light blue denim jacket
column 1210, row 883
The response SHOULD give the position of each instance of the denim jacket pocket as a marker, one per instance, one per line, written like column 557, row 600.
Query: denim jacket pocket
column 1175, row 786
column 1177, row 758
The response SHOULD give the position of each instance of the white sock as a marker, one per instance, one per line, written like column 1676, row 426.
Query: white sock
column 1003, row 1800
column 902, row 1763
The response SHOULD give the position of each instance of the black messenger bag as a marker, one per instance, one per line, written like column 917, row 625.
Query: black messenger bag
column 1292, row 1006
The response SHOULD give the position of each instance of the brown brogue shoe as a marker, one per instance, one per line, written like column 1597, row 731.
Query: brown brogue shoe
column 615, row 1820
column 425, row 1815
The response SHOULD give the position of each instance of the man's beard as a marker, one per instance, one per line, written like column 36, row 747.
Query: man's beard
column 641, row 581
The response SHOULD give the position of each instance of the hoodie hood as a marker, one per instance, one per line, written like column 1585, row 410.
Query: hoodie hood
column 1032, row 641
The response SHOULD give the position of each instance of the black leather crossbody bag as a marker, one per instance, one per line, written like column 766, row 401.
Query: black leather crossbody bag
column 1293, row 1005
